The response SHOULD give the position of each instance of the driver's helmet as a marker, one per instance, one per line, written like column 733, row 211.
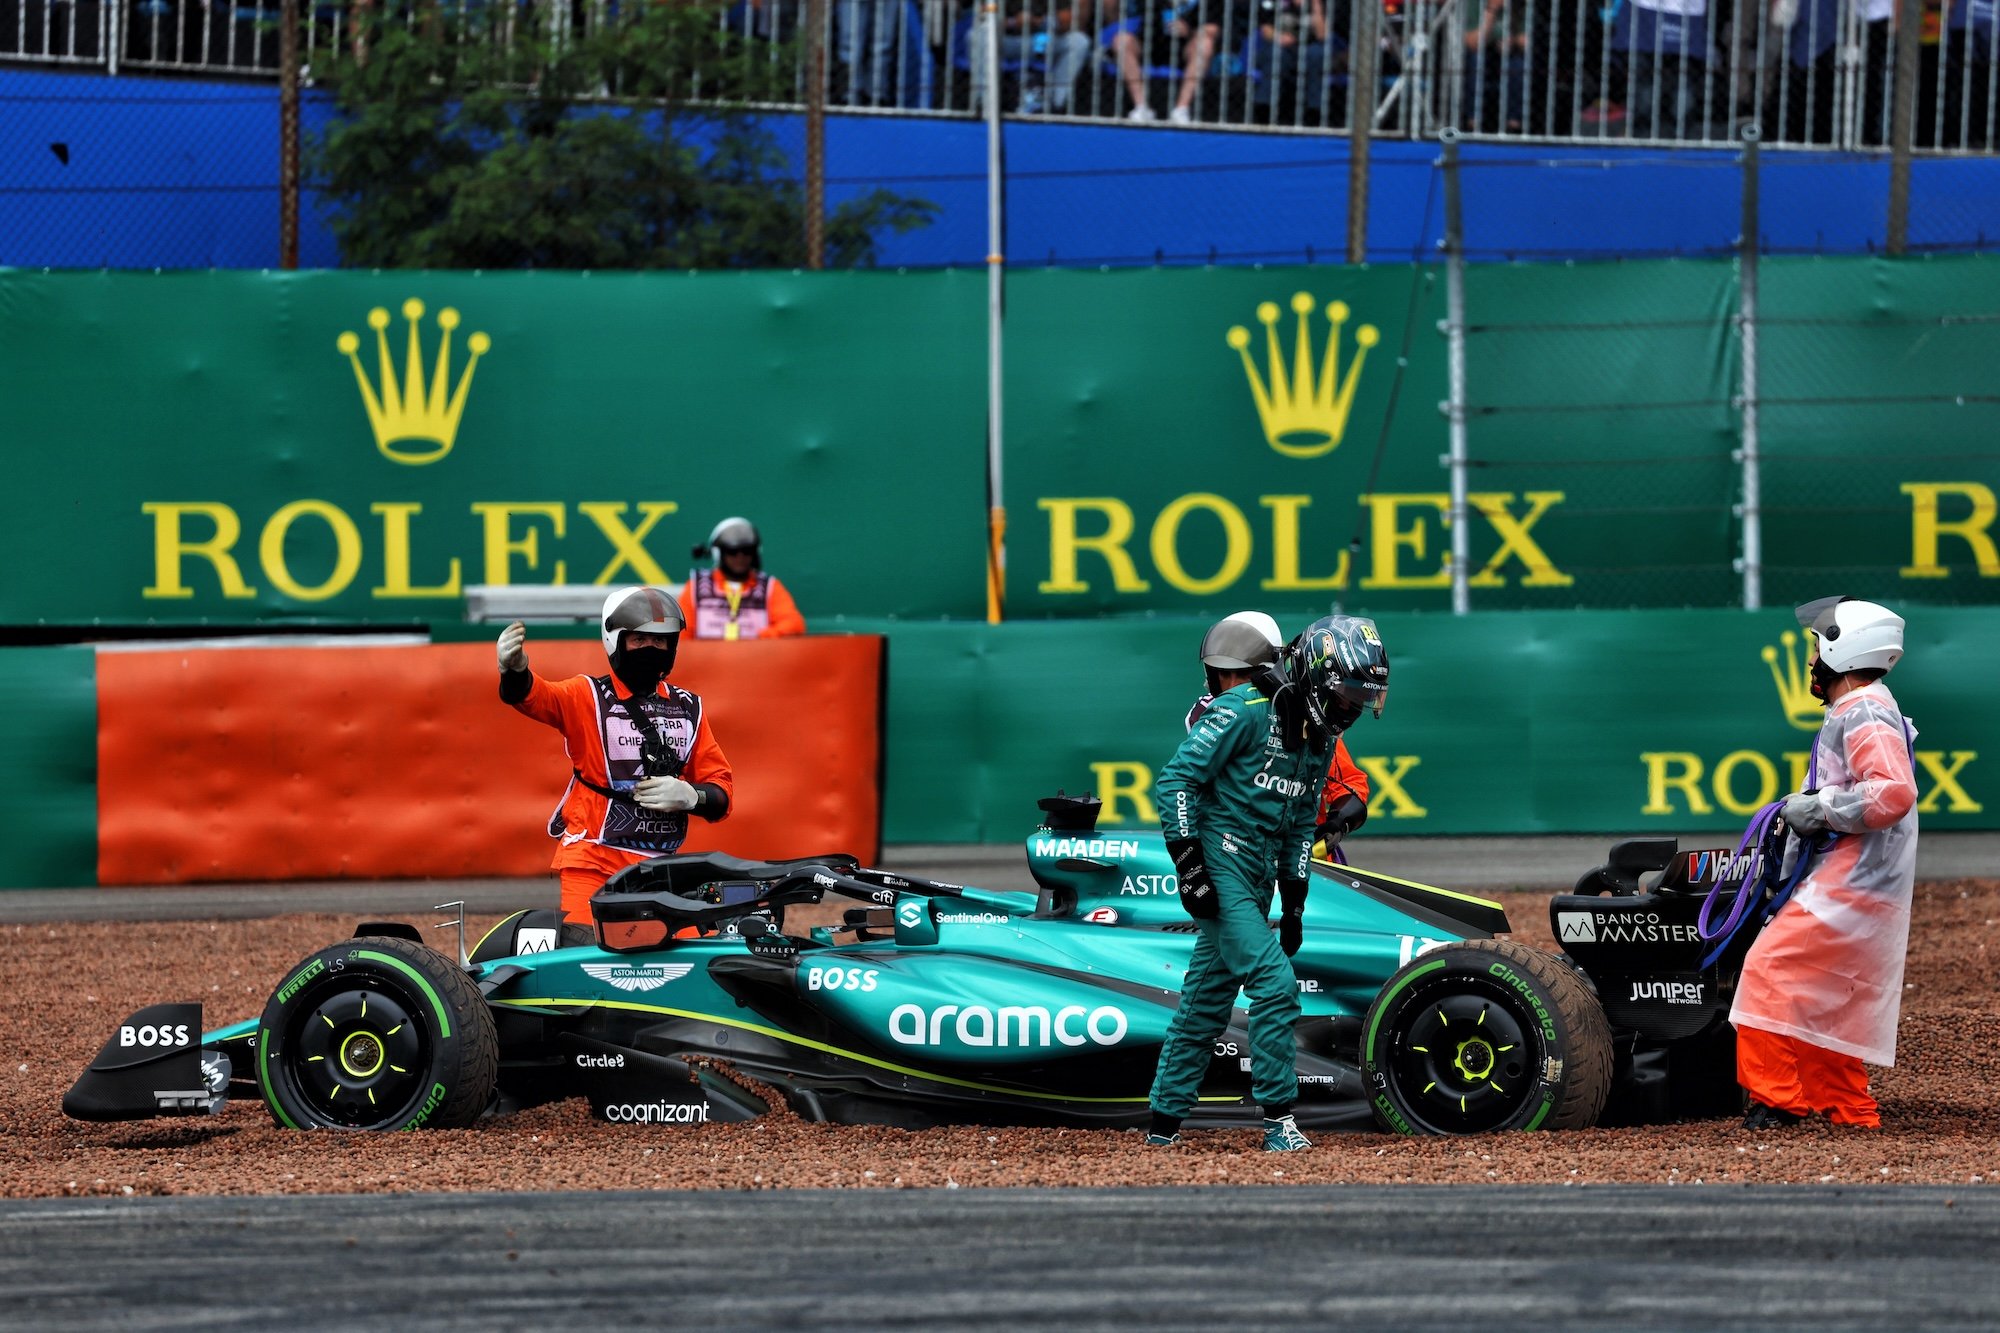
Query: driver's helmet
column 1242, row 642
column 736, row 534
column 1853, row 635
column 646, row 610
column 1340, row 664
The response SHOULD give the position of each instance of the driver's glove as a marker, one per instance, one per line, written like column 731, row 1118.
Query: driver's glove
column 1349, row 813
column 1292, row 922
column 1197, row 888
column 666, row 795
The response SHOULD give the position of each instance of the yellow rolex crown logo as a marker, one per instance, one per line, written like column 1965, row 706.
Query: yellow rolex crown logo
column 412, row 424
column 1794, row 681
column 1304, row 415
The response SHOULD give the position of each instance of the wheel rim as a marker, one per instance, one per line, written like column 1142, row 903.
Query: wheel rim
column 357, row 1057
column 1464, row 1059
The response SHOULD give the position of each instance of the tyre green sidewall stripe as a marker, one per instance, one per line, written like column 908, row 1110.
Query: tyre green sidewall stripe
column 437, row 1005
column 1540, row 1116
column 264, row 1058
column 1382, row 1005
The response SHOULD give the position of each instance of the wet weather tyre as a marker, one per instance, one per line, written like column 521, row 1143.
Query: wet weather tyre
column 1485, row 1035
column 377, row 1033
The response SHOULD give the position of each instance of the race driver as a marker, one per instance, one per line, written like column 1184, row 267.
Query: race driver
column 1231, row 651
column 1822, row 987
column 642, row 754
column 1237, row 803
column 735, row 598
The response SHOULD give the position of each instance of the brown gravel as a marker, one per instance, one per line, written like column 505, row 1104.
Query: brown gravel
column 66, row 985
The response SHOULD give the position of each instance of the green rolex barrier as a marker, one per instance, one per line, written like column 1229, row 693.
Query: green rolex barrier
column 360, row 447
column 1503, row 723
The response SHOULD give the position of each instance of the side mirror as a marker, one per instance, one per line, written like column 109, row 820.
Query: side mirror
column 1070, row 814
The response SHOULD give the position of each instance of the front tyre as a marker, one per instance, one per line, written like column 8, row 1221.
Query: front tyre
column 377, row 1033
column 1486, row 1035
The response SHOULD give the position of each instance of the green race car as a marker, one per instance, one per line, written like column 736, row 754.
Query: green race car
column 935, row 1003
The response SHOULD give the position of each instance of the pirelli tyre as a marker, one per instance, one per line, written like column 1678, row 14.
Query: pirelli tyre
column 1485, row 1035
column 377, row 1033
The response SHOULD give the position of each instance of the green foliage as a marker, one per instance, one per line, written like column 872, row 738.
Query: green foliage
column 483, row 145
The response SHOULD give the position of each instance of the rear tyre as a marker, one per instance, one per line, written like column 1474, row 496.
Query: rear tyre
column 377, row 1033
column 1486, row 1035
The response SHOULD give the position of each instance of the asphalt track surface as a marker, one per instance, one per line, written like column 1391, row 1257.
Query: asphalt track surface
column 1409, row 1258
column 1546, row 863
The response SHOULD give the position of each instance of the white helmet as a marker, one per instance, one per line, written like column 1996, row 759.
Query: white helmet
column 1241, row 642
column 1854, row 635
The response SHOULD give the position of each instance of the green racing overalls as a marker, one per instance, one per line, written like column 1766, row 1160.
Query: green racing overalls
column 1252, row 803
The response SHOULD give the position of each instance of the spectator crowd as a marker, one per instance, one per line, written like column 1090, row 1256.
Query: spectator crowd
column 1805, row 71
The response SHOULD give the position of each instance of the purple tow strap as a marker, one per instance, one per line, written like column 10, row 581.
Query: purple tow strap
column 1762, row 872
column 1754, row 878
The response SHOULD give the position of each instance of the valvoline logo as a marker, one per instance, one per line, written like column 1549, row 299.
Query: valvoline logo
column 1719, row 866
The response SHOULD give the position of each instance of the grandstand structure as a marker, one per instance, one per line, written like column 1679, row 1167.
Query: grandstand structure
column 1813, row 74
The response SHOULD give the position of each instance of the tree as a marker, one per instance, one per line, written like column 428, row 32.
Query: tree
column 457, row 146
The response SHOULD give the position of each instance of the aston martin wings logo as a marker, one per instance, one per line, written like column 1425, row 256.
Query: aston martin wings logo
column 642, row 976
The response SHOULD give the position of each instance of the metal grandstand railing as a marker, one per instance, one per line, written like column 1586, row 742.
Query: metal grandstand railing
column 1809, row 73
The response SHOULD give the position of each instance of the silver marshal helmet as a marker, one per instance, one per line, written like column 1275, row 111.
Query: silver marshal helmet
column 1242, row 642
column 647, row 610
column 734, row 534
column 1340, row 663
column 641, row 610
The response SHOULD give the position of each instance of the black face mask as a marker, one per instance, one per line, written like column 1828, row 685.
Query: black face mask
column 642, row 669
column 1822, row 679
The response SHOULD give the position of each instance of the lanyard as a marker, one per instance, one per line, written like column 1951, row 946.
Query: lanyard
column 735, row 593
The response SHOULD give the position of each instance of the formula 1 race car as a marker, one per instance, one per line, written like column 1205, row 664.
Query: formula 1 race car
column 934, row 1003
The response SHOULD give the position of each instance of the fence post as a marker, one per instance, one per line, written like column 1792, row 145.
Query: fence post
column 114, row 35
column 1454, row 336
column 288, row 134
column 1751, row 562
column 816, row 134
column 1361, row 128
column 996, row 291
column 1903, row 121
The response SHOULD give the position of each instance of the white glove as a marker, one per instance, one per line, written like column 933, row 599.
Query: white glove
column 512, row 648
column 666, row 795
column 1804, row 812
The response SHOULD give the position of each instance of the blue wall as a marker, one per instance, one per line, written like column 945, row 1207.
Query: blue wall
column 179, row 174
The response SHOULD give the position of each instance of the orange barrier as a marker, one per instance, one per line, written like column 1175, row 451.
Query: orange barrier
column 402, row 763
